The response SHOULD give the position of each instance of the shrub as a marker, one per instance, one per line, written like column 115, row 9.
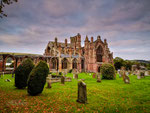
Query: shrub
column 22, row 73
column 37, row 78
column 108, row 71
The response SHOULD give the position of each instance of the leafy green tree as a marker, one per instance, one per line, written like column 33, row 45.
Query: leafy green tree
column 108, row 71
column 22, row 73
column 2, row 5
column 128, row 64
column 37, row 78
column 118, row 63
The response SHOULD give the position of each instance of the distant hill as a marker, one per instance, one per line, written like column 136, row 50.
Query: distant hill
column 142, row 61
column 17, row 53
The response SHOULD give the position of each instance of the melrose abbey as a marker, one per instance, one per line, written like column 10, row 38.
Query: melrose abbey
column 89, row 58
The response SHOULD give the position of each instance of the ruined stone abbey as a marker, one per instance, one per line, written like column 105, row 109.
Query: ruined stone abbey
column 89, row 58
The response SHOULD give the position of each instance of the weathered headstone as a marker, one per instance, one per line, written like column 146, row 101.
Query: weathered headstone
column 119, row 73
column 82, row 93
column 76, row 76
column 142, row 74
column 49, row 84
column 127, row 80
column 138, row 74
column 146, row 73
column 63, row 80
column 94, row 75
column 98, row 78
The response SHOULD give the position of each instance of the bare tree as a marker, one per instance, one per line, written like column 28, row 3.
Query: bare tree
column 2, row 5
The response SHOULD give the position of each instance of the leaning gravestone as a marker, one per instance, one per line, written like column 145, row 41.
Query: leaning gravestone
column 63, row 80
column 126, row 79
column 98, row 77
column 82, row 93
column 94, row 75
column 49, row 84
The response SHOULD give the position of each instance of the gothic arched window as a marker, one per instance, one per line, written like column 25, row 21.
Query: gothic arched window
column 82, row 64
column 99, row 54
column 64, row 63
column 74, row 64
column 53, row 63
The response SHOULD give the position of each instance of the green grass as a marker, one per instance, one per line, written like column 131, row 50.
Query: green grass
column 108, row 96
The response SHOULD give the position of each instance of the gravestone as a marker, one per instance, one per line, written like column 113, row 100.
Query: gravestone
column 127, row 80
column 73, row 75
column 63, row 80
column 142, row 74
column 94, row 75
column 119, row 73
column 146, row 73
column 82, row 93
column 76, row 76
column 49, row 84
column 138, row 74
column 98, row 77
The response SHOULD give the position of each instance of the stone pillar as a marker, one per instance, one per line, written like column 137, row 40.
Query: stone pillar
column 82, row 92
column 60, row 65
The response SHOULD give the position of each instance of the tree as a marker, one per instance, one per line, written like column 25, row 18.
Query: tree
column 22, row 73
column 37, row 78
column 128, row 65
column 118, row 63
column 2, row 5
column 108, row 71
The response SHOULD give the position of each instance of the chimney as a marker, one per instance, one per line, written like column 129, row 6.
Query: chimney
column 56, row 41
column 92, row 39
column 98, row 37
column 66, row 42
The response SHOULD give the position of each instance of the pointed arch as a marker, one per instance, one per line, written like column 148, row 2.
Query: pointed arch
column 74, row 64
column 54, row 63
column 82, row 63
column 64, row 63
column 99, row 54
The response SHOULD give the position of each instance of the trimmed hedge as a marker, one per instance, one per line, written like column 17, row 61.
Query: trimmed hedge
column 22, row 73
column 37, row 78
column 108, row 71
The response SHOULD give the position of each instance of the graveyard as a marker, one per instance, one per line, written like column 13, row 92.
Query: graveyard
column 104, row 96
column 75, row 56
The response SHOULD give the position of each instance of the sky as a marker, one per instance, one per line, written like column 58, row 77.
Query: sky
column 31, row 24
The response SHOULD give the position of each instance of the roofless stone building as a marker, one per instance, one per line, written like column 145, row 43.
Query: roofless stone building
column 62, row 57
column 89, row 58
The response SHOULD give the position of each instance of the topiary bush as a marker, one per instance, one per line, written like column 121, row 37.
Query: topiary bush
column 22, row 73
column 108, row 71
column 37, row 78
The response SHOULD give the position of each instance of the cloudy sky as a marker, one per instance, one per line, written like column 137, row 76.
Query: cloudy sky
column 32, row 23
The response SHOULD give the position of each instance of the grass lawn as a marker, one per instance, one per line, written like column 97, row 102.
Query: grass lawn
column 107, row 96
